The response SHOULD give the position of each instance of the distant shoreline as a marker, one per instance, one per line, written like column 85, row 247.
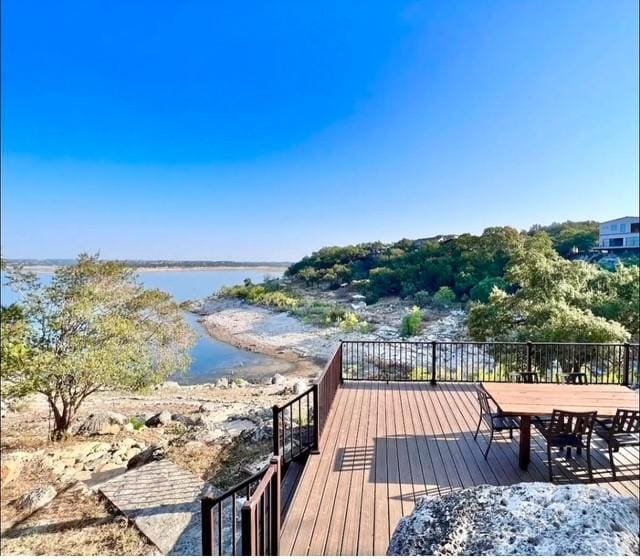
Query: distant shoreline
column 52, row 268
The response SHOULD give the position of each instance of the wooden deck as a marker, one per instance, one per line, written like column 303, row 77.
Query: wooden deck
column 385, row 446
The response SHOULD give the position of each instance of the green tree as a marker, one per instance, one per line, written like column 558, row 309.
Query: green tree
column 554, row 300
column 444, row 297
column 482, row 290
column 412, row 323
column 94, row 327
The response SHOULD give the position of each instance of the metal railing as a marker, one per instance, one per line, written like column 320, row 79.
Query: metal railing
column 222, row 526
column 261, row 515
column 327, row 387
column 295, row 426
column 488, row 361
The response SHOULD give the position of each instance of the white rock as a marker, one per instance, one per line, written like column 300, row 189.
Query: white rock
column 524, row 519
column 36, row 499
column 278, row 379
column 300, row 387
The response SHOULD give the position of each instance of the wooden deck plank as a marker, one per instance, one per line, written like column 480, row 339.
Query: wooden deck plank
column 367, row 525
column 386, row 444
column 337, row 515
column 323, row 492
column 382, row 534
column 303, row 493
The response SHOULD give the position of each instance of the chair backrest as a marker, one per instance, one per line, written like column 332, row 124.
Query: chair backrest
column 565, row 423
column 626, row 422
column 483, row 399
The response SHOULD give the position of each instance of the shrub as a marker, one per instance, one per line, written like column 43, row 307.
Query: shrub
column 444, row 297
column 422, row 298
column 412, row 323
column 352, row 322
column 320, row 313
column 268, row 295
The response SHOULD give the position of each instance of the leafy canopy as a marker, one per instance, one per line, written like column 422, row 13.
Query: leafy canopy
column 93, row 327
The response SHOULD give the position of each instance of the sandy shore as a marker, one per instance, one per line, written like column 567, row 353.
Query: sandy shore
column 267, row 332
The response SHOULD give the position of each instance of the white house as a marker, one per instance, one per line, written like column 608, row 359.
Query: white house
column 623, row 233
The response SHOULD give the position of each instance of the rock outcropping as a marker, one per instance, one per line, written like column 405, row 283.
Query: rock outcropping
column 523, row 519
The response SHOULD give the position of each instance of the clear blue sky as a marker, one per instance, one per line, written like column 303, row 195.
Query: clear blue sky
column 265, row 130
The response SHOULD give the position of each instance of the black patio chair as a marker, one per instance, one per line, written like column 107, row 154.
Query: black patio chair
column 568, row 429
column 623, row 430
column 572, row 378
column 525, row 376
column 496, row 421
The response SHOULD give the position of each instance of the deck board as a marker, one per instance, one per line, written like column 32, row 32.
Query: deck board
column 386, row 446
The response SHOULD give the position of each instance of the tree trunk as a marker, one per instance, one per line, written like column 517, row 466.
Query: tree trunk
column 61, row 420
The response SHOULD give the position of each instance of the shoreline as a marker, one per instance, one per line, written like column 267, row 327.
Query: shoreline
column 52, row 268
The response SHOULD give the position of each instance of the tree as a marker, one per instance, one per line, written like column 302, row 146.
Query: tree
column 444, row 297
column 94, row 327
column 482, row 290
column 554, row 300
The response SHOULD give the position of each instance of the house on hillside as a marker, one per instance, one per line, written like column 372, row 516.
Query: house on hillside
column 620, row 234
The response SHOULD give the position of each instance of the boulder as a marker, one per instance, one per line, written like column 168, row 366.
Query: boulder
column 161, row 419
column 170, row 385
column 182, row 419
column 222, row 383
column 299, row 387
column 102, row 423
column 36, row 499
column 208, row 407
column 278, row 379
column 524, row 519
column 153, row 453
column 241, row 382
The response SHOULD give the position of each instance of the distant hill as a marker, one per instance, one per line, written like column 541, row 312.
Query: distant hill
column 158, row 263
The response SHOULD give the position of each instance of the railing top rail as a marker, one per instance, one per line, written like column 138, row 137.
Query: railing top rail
column 269, row 471
column 294, row 400
column 212, row 500
column 327, row 366
column 516, row 343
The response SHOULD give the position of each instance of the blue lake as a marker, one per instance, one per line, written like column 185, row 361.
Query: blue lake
column 210, row 358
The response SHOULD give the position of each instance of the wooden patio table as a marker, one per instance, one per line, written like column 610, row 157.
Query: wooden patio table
column 540, row 399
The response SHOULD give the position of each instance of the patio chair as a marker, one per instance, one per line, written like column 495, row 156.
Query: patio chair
column 525, row 376
column 572, row 378
column 623, row 430
column 568, row 429
column 496, row 421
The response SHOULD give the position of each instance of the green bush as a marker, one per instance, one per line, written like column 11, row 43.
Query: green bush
column 412, row 323
column 269, row 295
column 320, row 313
column 352, row 322
column 444, row 297
column 482, row 290
column 422, row 298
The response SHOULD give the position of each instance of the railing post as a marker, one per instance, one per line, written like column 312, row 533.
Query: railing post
column 340, row 358
column 316, row 421
column 529, row 356
column 276, row 430
column 248, row 531
column 207, row 537
column 433, row 362
column 625, row 370
column 276, row 507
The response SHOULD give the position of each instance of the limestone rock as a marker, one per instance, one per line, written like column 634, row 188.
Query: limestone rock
column 9, row 471
column 153, row 453
column 101, row 423
column 523, row 519
column 182, row 419
column 300, row 387
column 278, row 379
column 36, row 499
column 208, row 407
column 222, row 383
column 241, row 382
column 170, row 385
column 161, row 419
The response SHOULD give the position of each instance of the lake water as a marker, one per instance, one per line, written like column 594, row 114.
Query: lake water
column 210, row 358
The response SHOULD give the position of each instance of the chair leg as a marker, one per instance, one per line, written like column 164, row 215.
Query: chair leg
column 549, row 463
column 475, row 436
column 613, row 465
column 510, row 433
column 589, row 464
column 488, row 446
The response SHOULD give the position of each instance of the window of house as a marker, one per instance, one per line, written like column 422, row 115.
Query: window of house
column 615, row 242
column 635, row 227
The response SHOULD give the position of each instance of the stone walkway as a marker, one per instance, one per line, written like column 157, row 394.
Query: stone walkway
column 163, row 501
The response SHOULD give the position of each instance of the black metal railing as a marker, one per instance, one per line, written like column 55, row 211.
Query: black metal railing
column 261, row 514
column 295, row 426
column 222, row 530
column 327, row 387
column 435, row 361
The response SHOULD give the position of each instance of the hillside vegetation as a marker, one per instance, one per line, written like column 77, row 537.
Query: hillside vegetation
column 516, row 285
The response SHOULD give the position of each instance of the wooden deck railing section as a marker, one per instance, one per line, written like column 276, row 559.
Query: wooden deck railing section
column 298, row 425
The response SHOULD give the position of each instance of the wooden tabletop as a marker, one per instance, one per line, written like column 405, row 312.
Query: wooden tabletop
column 530, row 399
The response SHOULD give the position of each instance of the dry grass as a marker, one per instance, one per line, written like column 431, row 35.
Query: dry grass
column 75, row 523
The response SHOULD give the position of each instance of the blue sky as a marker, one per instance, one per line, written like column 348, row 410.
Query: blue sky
column 265, row 130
